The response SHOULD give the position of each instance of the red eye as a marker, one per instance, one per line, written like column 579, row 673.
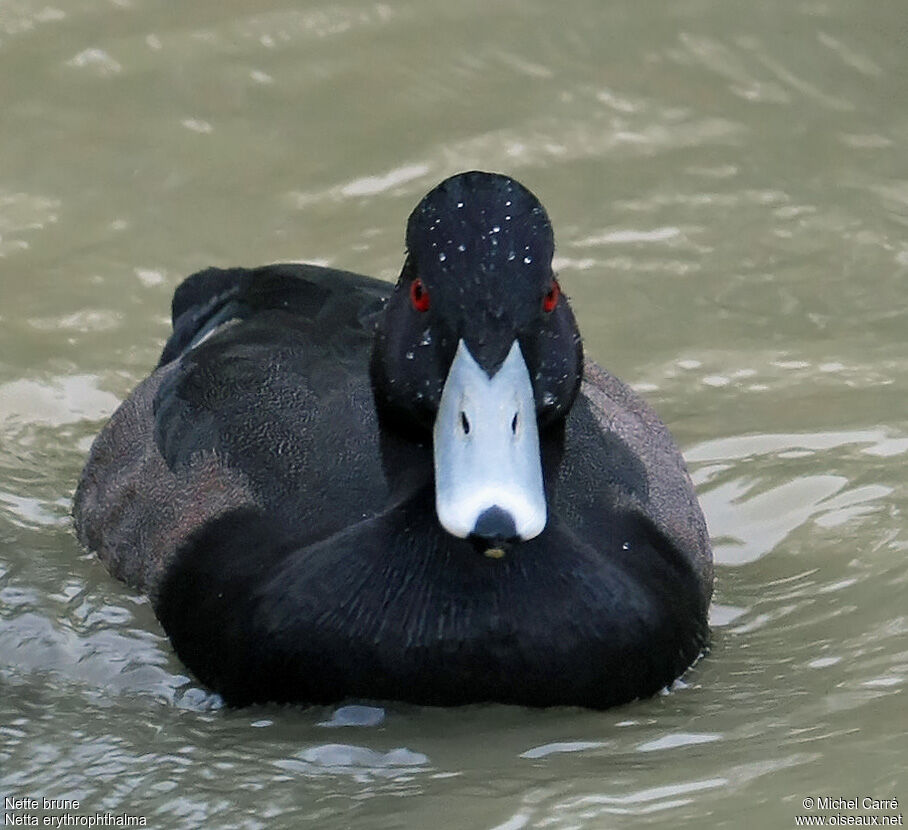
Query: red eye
column 550, row 300
column 418, row 295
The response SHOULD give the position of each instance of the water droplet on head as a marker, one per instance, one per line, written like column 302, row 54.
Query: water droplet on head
column 442, row 256
column 409, row 355
column 460, row 204
column 511, row 256
column 527, row 259
column 496, row 228
column 626, row 546
column 461, row 247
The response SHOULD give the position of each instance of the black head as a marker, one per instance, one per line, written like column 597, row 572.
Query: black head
column 478, row 268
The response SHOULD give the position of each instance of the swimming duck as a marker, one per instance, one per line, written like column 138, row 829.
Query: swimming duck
column 334, row 487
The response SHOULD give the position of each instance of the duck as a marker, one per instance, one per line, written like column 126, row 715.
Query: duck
column 335, row 487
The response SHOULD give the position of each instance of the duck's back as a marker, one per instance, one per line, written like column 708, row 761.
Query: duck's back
column 261, row 399
column 620, row 456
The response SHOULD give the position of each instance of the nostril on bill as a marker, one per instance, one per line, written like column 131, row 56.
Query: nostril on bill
column 495, row 523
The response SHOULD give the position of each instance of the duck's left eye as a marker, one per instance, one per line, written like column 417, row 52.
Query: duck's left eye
column 550, row 300
column 418, row 295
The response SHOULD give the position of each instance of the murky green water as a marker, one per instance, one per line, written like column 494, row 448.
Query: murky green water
column 729, row 187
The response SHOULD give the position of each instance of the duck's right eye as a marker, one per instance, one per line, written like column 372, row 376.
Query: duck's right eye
column 418, row 295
